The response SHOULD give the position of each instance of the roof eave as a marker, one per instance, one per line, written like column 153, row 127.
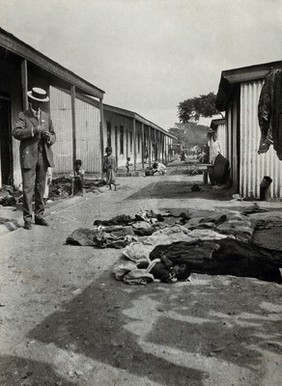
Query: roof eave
column 18, row 47
column 216, row 122
column 239, row 75
column 138, row 117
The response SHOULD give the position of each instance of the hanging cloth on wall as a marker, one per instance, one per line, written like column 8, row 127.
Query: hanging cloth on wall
column 270, row 113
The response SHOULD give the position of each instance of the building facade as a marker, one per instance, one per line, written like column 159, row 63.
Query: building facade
column 77, row 110
column 238, row 95
column 77, row 118
column 131, row 135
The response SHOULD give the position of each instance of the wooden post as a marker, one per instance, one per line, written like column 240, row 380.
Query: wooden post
column 162, row 141
column 158, row 145
column 150, row 145
column 126, row 142
column 142, row 145
column 116, row 144
column 165, row 148
column 102, row 136
column 154, row 146
column 73, row 120
column 24, row 80
column 134, row 144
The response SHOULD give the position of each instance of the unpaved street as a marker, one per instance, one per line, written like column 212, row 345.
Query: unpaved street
column 65, row 320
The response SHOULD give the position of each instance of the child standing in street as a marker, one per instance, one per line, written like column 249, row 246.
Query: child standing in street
column 110, row 168
column 127, row 166
column 77, row 179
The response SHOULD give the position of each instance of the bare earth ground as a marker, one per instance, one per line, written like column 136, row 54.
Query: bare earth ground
column 64, row 319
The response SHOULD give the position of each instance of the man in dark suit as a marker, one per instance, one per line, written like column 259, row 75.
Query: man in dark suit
column 35, row 130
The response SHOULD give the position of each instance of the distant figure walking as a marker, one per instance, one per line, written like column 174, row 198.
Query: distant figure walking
column 110, row 168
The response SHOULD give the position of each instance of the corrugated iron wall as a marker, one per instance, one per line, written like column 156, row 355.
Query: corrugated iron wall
column 253, row 167
column 87, row 133
column 88, row 136
column 232, row 135
column 60, row 110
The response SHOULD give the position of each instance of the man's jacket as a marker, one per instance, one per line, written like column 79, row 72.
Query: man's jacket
column 24, row 132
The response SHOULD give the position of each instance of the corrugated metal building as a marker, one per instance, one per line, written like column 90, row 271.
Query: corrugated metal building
column 87, row 137
column 77, row 118
column 77, row 110
column 238, row 95
column 131, row 135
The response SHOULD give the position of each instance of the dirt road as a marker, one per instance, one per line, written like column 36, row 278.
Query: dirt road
column 64, row 319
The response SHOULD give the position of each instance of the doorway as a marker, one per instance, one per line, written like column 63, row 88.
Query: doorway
column 6, row 161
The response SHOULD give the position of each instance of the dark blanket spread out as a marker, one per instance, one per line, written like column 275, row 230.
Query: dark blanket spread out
column 228, row 256
column 224, row 257
column 94, row 237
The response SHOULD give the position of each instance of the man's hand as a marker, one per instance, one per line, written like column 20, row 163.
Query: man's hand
column 46, row 135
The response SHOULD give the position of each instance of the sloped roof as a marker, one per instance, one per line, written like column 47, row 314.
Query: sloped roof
column 12, row 44
column 217, row 122
column 230, row 78
column 138, row 117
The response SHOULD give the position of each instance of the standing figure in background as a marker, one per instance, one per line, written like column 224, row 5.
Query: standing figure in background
column 110, row 168
column 215, row 148
column 48, row 182
column 127, row 165
column 34, row 129
column 77, row 179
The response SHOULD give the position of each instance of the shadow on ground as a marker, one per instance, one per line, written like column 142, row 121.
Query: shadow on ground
column 181, row 189
column 96, row 323
column 16, row 371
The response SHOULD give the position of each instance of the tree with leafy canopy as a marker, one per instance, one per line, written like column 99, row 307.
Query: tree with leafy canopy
column 188, row 135
column 194, row 108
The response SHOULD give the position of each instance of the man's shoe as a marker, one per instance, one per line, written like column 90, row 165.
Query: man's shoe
column 27, row 225
column 41, row 221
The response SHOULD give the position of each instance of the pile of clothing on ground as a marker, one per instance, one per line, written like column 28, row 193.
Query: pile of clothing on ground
column 170, row 246
column 61, row 187
column 9, row 195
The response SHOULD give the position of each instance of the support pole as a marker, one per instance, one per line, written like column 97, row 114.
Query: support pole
column 116, row 144
column 102, row 136
column 126, row 142
column 73, row 121
column 165, row 149
column 134, row 144
column 24, row 80
column 150, row 145
column 142, row 145
column 162, row 142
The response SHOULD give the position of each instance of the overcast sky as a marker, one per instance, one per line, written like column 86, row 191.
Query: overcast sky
column 148, row 55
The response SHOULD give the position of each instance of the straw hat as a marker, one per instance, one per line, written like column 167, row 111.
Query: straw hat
column 38, row 94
